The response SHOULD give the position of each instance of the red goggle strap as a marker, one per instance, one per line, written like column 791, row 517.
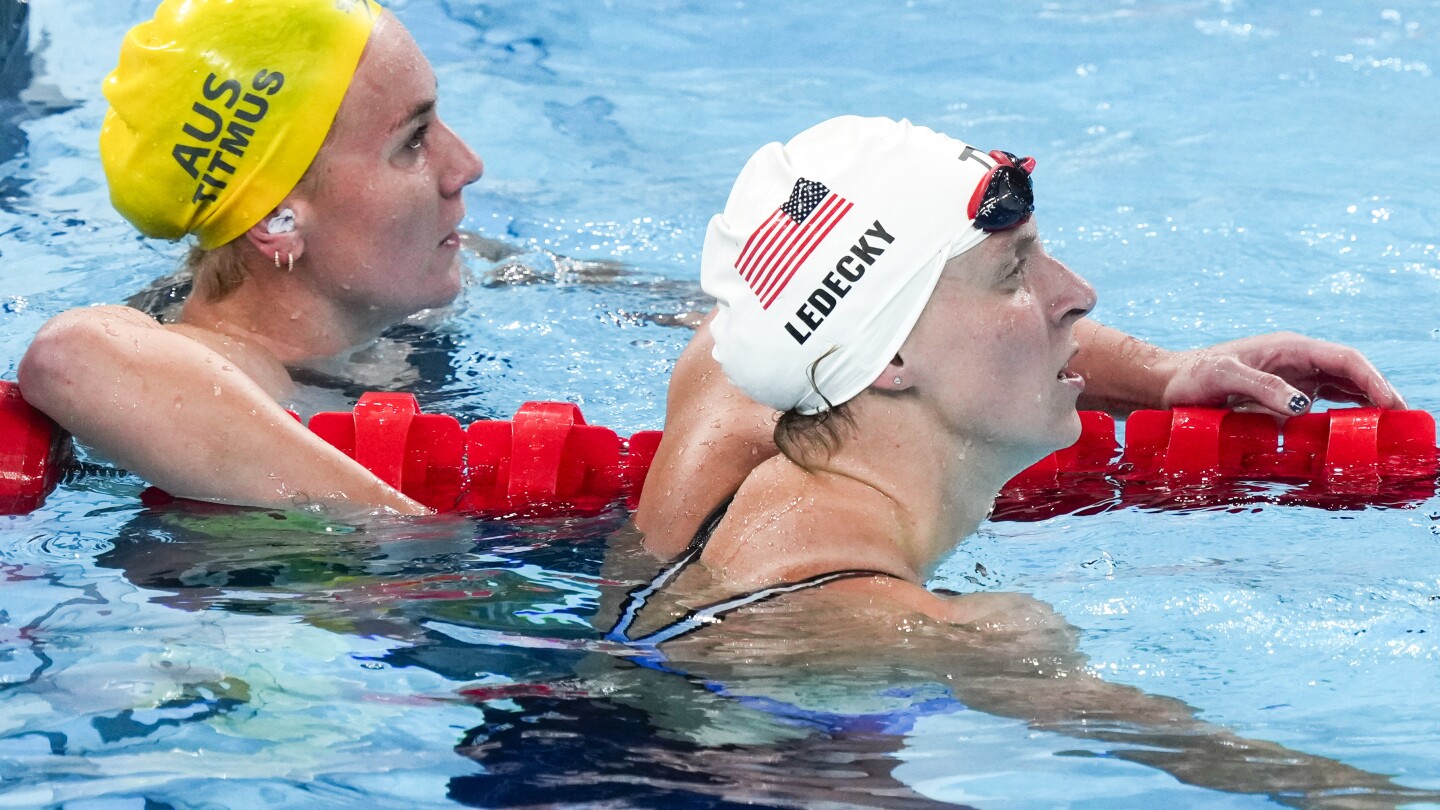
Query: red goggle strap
column 984, row 185
column 1026, row 164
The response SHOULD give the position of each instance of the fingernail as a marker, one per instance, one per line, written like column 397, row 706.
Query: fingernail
column 1299, row 403
column 1399, row 400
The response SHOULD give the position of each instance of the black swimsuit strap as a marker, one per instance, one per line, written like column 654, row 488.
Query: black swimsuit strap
column 715, row 611
column 635, row 600
column 709, row 614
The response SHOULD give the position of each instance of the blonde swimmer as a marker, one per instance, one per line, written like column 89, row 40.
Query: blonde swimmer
column 299, row 144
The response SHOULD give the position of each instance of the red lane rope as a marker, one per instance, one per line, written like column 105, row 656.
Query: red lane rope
column 547, row 460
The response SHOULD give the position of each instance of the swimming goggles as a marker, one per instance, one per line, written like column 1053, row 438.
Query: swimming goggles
column 1004, row 198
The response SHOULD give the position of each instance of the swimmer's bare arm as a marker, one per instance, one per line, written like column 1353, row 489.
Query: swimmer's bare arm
column 1264, row 372
column 715, row 436
column 1032, row 672
column 191, row 411
column 1011, row 655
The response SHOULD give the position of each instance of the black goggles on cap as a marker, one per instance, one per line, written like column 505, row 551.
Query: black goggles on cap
column 1004, row 198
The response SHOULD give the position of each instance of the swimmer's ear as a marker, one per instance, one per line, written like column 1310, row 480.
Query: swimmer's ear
column 281, row 233
column 893, row 377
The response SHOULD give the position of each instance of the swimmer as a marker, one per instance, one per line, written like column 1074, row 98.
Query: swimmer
column 310, row 165
column 718, row 432
column 944, row 354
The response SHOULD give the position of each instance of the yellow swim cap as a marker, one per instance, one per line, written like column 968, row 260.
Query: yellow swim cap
column 218, row 107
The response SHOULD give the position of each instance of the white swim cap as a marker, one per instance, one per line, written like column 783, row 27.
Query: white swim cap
column 828, row 250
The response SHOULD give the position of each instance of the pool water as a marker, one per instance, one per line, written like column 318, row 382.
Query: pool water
column 1215, row 168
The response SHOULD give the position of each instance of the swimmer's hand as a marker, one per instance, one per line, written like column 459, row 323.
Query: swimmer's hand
column 1280, row 373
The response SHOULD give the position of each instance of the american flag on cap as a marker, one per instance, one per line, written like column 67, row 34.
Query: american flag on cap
column 786, row 238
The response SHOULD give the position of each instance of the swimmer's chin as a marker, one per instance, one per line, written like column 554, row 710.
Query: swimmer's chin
column 446, row 300
column 1045, row 441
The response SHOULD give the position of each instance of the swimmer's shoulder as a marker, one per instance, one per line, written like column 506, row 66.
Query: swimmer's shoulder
column 163, row 302
column 700, row 391
column 714, row 438
column 248, row 356
column 85, row 341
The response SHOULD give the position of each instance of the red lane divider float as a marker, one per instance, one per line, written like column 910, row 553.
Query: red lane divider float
column 548, row 461
column 1357, row 446
column 1191, row 457
column 420, row 454
column 32, row 452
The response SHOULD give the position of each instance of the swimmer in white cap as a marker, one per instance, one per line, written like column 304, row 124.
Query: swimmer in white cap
column 826, row 256
column 883, row 287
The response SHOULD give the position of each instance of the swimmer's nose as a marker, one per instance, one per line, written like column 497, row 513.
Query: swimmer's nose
column 1075, row 297
column 465, row 166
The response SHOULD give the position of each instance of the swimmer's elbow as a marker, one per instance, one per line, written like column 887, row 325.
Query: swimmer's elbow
column 69, row 349
column 43, row 372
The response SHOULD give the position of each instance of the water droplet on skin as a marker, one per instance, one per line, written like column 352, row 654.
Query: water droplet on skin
column 227, row 367
column 110, row 330
column 218, row 392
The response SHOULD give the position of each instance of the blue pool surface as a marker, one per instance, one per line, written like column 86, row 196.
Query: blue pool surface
column 1217, row 168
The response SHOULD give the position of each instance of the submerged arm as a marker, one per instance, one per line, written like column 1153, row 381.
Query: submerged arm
column 1017, row 659
column 184, row 416
column 1010, row 655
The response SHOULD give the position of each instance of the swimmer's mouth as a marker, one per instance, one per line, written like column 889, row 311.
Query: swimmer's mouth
column 1065, row 375
column 452, row 239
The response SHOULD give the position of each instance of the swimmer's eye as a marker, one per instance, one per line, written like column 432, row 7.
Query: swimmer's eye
column 1016, row 270
column 418, row 139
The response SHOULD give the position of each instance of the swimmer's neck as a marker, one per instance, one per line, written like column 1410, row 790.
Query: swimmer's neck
column 289, row 319
column 941, row 483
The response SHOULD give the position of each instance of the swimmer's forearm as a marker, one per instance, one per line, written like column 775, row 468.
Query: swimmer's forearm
column 179, row 415
column 1163, row 733
column 1061, row 697
column 1122, row 373
column 1281, row 373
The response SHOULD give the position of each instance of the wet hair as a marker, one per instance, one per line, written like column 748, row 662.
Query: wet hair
column 218, row 271
column 806, row 436
column 803, row 436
